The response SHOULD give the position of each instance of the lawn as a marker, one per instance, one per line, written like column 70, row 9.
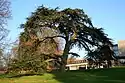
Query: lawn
column 113, row 75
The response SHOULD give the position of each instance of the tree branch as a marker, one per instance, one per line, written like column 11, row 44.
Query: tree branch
column 74, row 54
column 45, row 38
column 54, row 37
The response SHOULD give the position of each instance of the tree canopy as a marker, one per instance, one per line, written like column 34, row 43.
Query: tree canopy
column 72, row 25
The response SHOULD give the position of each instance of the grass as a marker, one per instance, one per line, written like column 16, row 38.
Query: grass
column 113, row 75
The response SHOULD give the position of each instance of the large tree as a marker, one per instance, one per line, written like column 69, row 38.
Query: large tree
column 71, row 25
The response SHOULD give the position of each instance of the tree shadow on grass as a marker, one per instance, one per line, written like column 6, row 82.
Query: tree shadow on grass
column 113, row 75
column 21, row 75
column 74, row 77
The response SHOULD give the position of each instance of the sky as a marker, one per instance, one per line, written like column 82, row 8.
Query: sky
column 107, row 14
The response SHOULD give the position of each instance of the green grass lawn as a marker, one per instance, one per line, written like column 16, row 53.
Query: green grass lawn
column 113, row 75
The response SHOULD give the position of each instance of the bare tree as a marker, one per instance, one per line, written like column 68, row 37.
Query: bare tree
column 5, row 13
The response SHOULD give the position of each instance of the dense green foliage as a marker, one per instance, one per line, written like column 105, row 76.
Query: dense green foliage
column 32, row 57
column 100, row 55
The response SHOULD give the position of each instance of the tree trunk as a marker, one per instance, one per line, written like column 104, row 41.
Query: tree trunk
column 63, row 68
column 65, row 57
column 109, row 64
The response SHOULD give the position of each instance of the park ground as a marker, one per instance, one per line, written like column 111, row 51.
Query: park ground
column 112, row 75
